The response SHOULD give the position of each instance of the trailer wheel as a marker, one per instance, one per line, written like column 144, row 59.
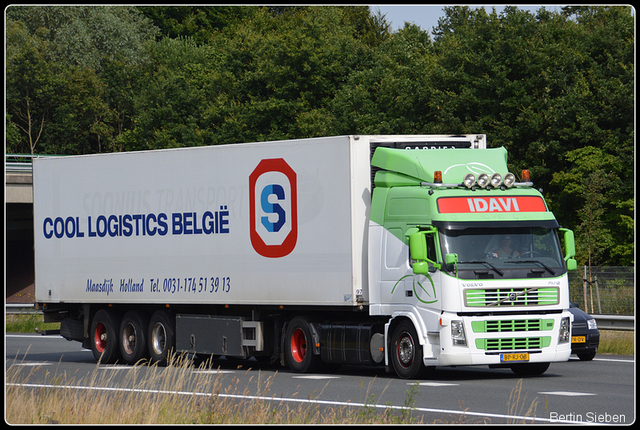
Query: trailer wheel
column 104, row 336
column 133, row 336
column 298, row 350
column 406, row 352
column 162, row 338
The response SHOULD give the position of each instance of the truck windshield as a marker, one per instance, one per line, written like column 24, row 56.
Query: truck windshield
column 496, row 250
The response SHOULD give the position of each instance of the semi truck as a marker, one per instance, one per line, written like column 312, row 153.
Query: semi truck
column 403, row 251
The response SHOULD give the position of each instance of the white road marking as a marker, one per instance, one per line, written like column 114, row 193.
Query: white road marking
column 432, row 384
column 33, row 363
column 316, row 377
column 566, row 393
column 614, row 360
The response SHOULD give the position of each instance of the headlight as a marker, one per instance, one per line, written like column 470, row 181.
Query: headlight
column 457, row 333
column 509, row 180
column 564, row 334
column 469, row 180
column 591, row 325
column 483, row 180
column 496, row 180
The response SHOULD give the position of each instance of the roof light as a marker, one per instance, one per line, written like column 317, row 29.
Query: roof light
column 469, row 180
column 483, row 180
column 496, row 180
column 437, row 176
column 509, row 180
column 526, row 176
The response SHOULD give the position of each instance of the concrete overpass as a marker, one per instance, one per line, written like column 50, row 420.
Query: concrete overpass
column 19, row 256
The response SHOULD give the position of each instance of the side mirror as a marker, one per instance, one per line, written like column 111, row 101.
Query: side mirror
column 450, row 259
column 418, row 250
column 418, row 246
column 421, row 268
column 569, row 249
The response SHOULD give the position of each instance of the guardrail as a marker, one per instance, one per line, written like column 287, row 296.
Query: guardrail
column 21, row 163
column 615, row 322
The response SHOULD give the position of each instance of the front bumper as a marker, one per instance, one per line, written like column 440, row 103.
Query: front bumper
column 505, row 339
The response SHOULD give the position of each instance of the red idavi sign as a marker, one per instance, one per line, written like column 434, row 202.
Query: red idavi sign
column 447, row 205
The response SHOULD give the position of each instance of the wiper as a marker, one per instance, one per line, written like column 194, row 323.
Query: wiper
column 498, row 271
column 533, row 261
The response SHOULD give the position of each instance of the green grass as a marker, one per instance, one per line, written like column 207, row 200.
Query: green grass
column 27, row 323
column 616, row 342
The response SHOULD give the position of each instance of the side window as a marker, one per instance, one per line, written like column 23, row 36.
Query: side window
column 431, row 247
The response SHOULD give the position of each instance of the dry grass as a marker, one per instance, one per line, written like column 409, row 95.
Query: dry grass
column 152, row 395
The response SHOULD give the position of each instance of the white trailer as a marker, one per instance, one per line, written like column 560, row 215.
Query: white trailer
column 257, row 249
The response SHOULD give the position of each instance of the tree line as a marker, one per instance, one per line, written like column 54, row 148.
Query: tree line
column 556, row 88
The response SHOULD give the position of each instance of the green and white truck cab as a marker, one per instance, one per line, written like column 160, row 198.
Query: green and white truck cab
column 472, row 257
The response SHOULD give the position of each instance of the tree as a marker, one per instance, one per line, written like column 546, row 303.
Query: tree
column 585, row 186
column 198, row 23
column 30, row 87
column 546, row 86
column 56, row 93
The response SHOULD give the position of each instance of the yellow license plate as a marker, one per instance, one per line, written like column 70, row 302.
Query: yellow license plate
column 520, row 356
column 578, row 339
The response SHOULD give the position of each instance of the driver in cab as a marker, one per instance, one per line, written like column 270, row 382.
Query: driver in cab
column 505, row 250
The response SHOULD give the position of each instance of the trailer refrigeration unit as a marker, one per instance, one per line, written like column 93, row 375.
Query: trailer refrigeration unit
column 372, row 250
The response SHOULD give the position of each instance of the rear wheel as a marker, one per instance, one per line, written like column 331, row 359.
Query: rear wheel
column 298, row 347
column 104, row 336
column 162, row 338
column 406, row 352
column 133, row 336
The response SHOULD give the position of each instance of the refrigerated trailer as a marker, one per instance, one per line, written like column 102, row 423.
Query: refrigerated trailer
column 371, row 250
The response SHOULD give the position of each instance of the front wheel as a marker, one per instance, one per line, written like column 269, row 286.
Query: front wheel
column 406, row 351
column 298, row 347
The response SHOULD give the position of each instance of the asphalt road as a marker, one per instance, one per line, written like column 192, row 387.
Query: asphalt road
column 598, row 391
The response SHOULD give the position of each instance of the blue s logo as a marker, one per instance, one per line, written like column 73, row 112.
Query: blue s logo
column 272, row 208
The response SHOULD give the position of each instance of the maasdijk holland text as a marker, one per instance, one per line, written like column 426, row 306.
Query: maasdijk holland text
column 128, row 225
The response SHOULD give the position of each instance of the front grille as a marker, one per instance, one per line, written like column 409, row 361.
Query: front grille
column 512, row 297
column 509, row 344
column 498, row 326
column 579, row 325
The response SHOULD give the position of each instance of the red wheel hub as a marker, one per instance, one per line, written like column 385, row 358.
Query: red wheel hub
column 298, row 345
column 100, row 337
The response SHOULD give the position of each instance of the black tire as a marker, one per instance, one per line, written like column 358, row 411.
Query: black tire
column 133, row 336
column 298, row 347
column 529, row 369
column 104, row 336
column 162, row 337
column 406, row 351
column 587, row 356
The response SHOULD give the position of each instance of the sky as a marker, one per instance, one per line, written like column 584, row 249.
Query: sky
column 427, row 16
